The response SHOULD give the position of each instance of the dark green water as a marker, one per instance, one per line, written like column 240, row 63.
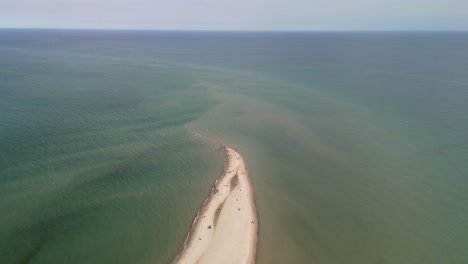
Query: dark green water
column 356, row 143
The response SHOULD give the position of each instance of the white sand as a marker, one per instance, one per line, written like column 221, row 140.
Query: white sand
column 226, row 228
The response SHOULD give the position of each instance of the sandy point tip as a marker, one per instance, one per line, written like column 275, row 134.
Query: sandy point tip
column 225, row 230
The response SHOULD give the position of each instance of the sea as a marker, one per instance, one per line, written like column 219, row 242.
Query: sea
column 356, row 143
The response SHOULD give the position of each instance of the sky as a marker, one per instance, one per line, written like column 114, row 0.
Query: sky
column 237, row 14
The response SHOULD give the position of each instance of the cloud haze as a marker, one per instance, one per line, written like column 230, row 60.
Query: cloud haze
column 237, row 14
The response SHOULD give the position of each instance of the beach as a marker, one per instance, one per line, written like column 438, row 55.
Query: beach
column 225, row 229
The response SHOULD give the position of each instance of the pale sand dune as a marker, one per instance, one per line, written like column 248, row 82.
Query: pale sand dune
column 226, row 228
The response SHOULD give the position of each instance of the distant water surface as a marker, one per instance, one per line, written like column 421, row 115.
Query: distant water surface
column 356, row 143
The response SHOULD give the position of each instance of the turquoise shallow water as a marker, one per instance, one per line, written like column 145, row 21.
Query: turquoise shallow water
column 356, row 143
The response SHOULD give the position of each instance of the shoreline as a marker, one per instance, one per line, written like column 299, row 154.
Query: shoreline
column 225, row 229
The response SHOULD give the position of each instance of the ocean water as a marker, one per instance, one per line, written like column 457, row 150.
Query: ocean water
column 356, row 143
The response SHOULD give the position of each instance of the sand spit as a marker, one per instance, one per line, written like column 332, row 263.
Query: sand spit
column 225, row 230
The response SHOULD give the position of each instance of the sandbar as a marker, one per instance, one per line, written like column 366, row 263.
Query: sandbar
column 225, row 229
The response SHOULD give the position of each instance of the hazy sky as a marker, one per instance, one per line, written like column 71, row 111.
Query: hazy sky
column 237, row 14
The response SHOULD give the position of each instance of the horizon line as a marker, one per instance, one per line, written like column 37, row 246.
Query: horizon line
column 237, row 30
